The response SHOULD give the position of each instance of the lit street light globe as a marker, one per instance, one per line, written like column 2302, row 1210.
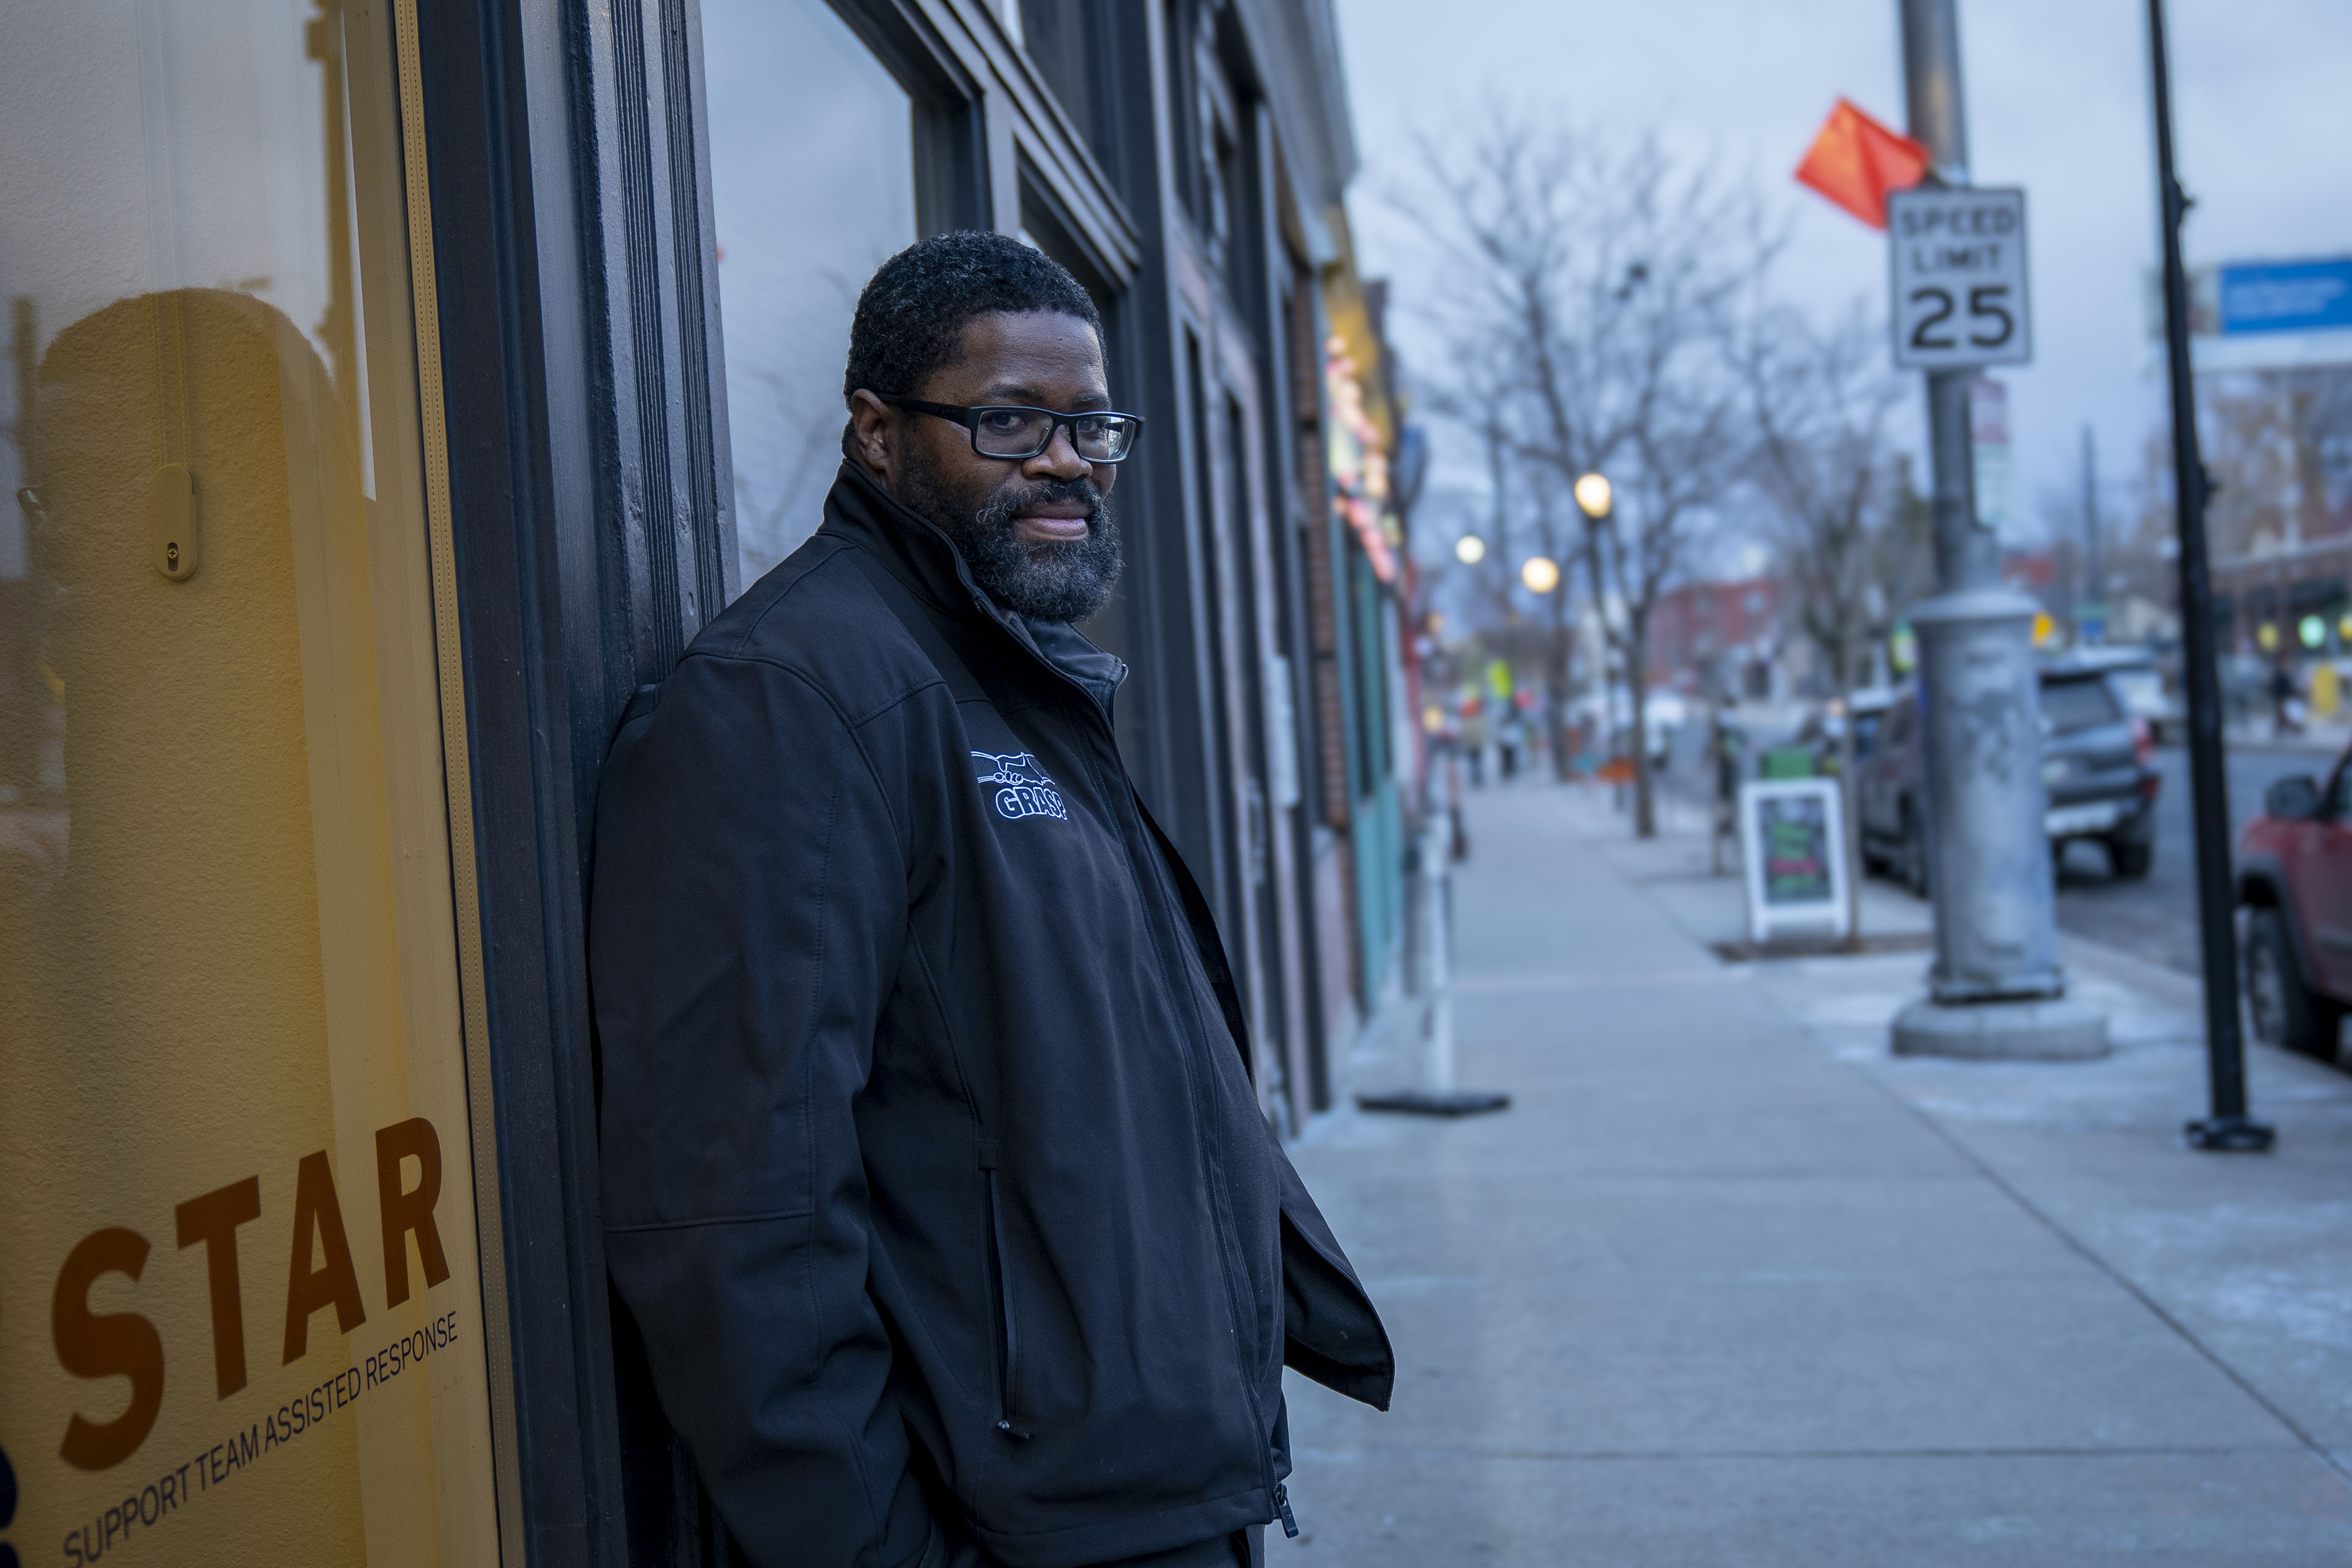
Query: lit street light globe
column 1541, row 574
column 1592, row 495
column 1469, row 549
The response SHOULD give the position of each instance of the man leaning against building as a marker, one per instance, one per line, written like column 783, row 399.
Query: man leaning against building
column 932, row 1173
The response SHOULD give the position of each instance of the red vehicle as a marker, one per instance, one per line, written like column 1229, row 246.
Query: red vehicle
column 2294, row 879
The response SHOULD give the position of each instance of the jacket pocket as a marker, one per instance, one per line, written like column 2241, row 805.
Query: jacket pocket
column 1008, row 1334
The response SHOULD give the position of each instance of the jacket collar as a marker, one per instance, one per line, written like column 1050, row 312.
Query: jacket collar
column 916, row 552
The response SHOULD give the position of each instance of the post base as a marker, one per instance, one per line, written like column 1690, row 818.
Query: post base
column 1433, row 1102
column 2232, row 1135
column 2052, row 1030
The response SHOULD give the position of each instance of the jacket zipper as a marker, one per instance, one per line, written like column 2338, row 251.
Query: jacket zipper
column 1008, row 1363
column 1140, row 842
column 1173, row 907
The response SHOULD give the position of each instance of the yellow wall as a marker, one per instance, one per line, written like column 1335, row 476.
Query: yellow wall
column 226, row 940
column 1344, row 310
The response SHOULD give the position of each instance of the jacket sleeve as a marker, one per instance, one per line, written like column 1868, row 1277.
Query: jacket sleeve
column 748, row 910
column 1331, row 1331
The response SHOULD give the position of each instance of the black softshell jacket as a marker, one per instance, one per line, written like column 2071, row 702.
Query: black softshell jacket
column 932, row 1172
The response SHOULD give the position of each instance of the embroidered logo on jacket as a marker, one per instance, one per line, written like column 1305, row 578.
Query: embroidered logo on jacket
column 1027, row 791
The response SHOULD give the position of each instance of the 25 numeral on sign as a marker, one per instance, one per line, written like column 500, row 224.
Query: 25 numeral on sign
column 1989, row 302
column 1957, row 264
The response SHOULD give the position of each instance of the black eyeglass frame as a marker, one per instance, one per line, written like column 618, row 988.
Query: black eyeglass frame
column 955, row 413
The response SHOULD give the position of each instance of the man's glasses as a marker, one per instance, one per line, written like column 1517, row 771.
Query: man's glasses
column 1016, row 435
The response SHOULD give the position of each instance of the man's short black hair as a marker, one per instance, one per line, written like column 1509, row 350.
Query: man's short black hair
column 912, row 314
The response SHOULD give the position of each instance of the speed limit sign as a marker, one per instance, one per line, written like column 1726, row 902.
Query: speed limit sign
column 1959, row 261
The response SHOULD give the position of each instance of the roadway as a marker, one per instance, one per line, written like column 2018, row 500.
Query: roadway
column 2156, row 917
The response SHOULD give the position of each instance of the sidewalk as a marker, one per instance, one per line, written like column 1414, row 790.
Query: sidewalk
column 1730, row 1285
column 2321, row 737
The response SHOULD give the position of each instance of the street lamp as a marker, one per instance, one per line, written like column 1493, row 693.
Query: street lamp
column 1541, row 573
column 1592, row 495
column 1469, row 549
column 1593, row 499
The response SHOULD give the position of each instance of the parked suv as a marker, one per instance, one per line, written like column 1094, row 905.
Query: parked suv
column 1888, row 794
column 1824, row 727
column 2294, row 879
column 2136, row 673
column 2098, row 766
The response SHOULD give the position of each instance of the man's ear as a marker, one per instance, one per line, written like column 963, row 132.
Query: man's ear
column 873, row 433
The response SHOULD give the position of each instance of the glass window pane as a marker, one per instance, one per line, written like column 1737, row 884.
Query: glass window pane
column 2142, row 691
column 229, row 974
column 2076, row 705
column 813, row 187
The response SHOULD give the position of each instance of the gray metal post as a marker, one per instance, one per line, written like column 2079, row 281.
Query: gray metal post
column 1996, row 984
column 1931, row 85
column 1436, row 1095
column 1437, row 967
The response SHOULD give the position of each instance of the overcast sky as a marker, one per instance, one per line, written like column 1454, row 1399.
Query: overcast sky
column 2057, row 100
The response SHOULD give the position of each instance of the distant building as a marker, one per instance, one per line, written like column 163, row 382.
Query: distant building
column 2279, row 444
column 1697, row 625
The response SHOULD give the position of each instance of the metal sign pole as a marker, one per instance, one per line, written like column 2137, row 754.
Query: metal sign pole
column 1995, row 988
column 2228, row 1130
column 1438, row 976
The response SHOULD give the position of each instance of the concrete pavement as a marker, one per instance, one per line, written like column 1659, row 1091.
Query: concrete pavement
column 1730, row 1285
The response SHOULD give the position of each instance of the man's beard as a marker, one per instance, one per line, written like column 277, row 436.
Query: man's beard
column 1048, row 582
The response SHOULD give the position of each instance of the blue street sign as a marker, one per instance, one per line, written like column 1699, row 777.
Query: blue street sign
column 2286, row 295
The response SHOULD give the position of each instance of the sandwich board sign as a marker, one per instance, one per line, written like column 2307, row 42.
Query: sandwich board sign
column 1957, row 260
column 1792, row 839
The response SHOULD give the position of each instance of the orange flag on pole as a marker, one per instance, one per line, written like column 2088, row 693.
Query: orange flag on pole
column 1855, row 161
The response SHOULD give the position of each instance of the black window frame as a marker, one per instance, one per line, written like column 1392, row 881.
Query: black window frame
column 578, row 313
column 583, row 375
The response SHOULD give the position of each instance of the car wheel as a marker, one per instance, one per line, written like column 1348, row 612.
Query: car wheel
column 2286, row 1013
column 2131, row 857
column 1873, row 863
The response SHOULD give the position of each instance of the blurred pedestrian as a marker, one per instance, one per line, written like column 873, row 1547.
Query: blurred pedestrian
column 1474, row 739
column 1724, row 746
column 933, row 1175
column 2286, row 699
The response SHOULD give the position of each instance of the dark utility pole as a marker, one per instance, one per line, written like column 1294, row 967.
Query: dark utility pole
column 2228, row 1129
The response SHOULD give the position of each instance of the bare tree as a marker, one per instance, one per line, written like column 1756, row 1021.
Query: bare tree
column 1465, row 397
column 1560, row 629
column 1819, row 402
column 1597, row 282
column 1496, row 578
column 1551, row 640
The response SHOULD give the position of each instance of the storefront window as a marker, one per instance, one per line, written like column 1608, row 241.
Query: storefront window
column 242, row 1309
column 812, row 185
